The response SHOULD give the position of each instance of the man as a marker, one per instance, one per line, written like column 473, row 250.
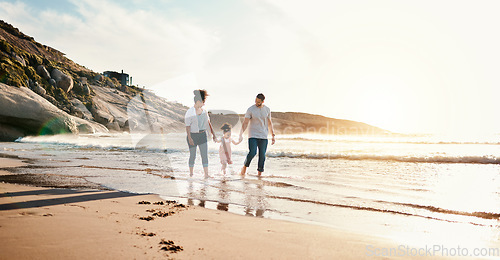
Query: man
column 259, row 118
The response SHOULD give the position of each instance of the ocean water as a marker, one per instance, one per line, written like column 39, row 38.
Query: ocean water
column 418, row 190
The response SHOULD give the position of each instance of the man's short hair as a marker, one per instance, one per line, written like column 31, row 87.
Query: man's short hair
column 261, row 96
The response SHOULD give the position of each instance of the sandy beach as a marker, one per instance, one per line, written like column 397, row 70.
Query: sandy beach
column 47, row 223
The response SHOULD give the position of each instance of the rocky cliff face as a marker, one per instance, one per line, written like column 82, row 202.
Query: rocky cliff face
column 42, row 87
column 23, row 112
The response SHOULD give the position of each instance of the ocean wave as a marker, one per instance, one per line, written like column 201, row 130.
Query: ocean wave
column 95, row 143
column 431, row 209
column 398, row 158
column 485, row 215
column 122, row 143
column 390, row 140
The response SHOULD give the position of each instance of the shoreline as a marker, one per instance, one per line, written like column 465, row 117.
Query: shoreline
column 61, row 223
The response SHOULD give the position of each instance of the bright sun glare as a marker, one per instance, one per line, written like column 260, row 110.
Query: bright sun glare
column 381, row 100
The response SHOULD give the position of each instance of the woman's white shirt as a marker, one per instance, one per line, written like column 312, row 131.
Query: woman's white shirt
column 191, row 119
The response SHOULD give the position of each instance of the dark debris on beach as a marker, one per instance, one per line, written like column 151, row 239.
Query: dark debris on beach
column 170, row 246
column 167, row 202
column 148, row 218
column 162, row 214
column 145, row 234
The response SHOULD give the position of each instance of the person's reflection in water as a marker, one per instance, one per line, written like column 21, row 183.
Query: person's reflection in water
column 248, row 211
column 203, row 195
column 261, row 201
column 254, row 199
column 222, row 205
column 192, row 195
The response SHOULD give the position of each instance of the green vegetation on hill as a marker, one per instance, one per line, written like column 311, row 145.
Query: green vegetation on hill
column 20, row 55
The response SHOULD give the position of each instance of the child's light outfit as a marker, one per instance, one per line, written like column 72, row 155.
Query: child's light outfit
column 225, row 150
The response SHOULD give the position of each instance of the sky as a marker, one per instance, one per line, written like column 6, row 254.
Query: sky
column 405, row 66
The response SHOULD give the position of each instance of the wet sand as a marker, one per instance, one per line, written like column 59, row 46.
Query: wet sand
column 50, row 223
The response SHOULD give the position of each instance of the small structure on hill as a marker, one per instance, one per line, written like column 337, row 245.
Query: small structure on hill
column 123, row 78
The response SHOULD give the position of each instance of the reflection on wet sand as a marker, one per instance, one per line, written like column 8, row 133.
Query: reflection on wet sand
column 223, row 196
column 192, row 195
column 203, row 195
column 254, row 200
column 253, row 192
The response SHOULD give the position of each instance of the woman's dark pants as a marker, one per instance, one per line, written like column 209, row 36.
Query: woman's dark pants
column 199, row 139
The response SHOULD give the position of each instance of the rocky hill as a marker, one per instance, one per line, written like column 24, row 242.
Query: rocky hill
column 294, row 122
column 300, row 123
column 44, row 92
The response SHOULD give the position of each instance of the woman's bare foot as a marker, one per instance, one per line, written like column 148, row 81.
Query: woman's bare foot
column 243, row 170
column 205, row 170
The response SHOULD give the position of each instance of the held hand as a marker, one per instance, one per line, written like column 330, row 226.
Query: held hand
column 273, row 141
column 191, row 142
column 215, row 139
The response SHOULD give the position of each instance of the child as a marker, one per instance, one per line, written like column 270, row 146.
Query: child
column 225, row 146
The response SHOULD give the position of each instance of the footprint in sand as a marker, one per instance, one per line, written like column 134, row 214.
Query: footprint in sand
column 74, row 205
column 28, row 213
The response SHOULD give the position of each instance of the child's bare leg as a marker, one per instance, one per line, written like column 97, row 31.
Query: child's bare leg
column 224, row 165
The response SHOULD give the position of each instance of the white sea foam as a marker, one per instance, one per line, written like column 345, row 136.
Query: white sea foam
column 424, row 159
column 348, row 148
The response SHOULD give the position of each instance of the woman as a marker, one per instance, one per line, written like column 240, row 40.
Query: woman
column 197, row 121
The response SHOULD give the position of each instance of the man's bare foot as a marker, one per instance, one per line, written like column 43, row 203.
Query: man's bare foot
column 259, row 174
column 207, row 176
column 243, row 170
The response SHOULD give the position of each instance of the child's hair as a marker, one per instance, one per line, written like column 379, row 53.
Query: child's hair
column 226, row 127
